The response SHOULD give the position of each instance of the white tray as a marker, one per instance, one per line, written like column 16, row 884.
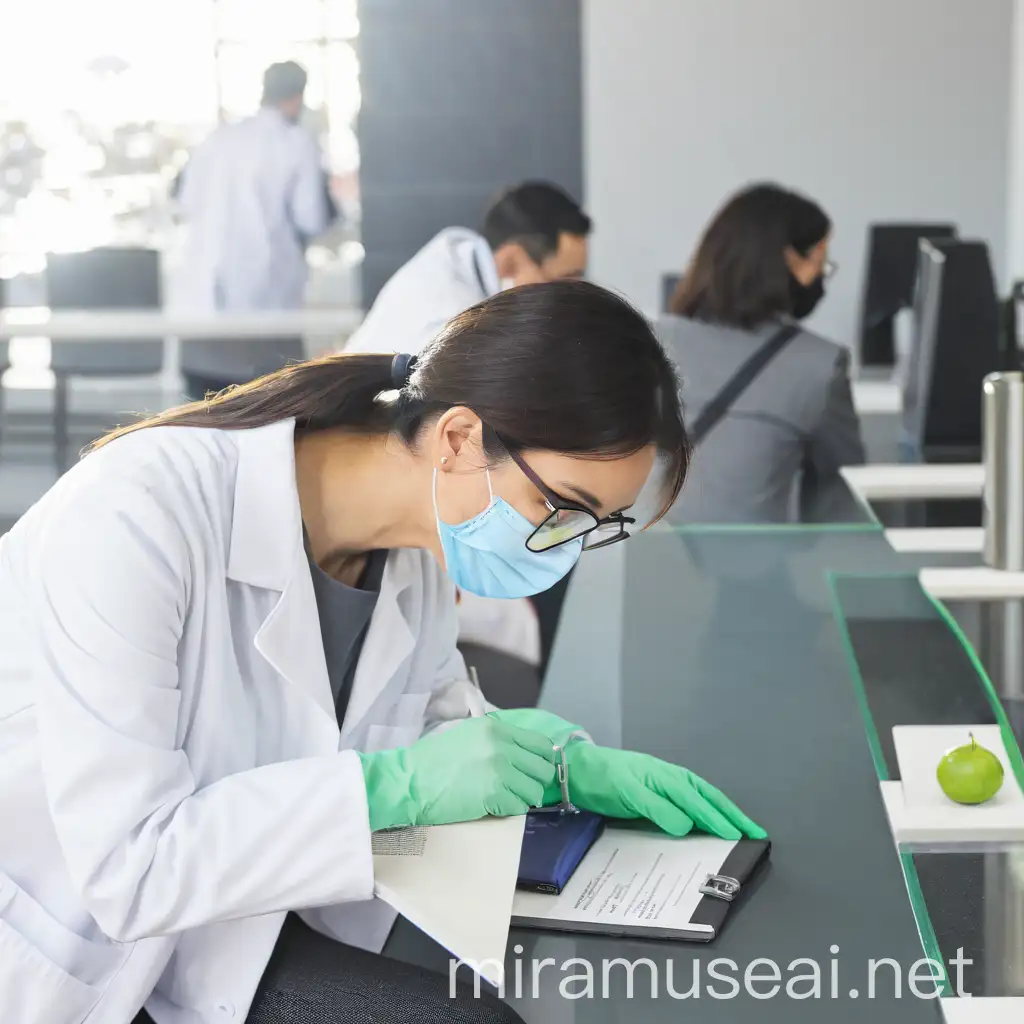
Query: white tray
column 983, row 1010
column 919, row 812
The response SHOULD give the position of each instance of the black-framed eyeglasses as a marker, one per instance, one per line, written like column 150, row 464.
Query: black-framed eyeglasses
column 569, row 520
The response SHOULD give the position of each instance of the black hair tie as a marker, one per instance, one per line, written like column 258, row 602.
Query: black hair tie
column 402, row 367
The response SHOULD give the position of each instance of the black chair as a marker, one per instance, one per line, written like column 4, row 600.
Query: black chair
column 890, row 277
column 548, row 606
column 506, row 681
column 102, row 279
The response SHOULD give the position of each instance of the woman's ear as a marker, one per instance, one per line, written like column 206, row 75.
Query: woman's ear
column 801, row 267
column 458, row 439
column 508, row 260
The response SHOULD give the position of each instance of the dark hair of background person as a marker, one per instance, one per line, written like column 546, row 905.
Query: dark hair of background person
column 534, row 215
column 738, row 276
column 566, row 367
column 283, row 81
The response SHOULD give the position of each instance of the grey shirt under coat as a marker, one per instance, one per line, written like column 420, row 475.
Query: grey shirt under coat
column 780, row 446
column 345, row 614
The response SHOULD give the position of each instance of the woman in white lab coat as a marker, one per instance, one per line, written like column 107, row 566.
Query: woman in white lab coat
column 232, row 650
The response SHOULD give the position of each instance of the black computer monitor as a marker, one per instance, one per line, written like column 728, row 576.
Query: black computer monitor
column 956, row 343
column 889, row 278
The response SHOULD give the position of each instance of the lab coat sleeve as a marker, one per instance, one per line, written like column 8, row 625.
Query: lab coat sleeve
column 312, row 209
column 454, row 696
column 152, row 851
column 188, row 185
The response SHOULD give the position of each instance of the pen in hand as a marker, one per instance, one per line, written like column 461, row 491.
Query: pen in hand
column 476, row 712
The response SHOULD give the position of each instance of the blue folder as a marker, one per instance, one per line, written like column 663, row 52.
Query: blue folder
column 553, row 846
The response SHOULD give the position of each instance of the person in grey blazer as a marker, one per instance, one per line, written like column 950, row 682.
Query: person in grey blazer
column 761, row 264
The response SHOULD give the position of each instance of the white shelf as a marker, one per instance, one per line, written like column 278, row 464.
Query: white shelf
column 937, row 540
column 918, row 810
column 115, row 325
column 983, row 1009
column 909, row 482
column 877, row 397
column 972, row 583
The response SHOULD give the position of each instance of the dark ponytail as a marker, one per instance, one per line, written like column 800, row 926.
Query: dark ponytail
column 566, row 367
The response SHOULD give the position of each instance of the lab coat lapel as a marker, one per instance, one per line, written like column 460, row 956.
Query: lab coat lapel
column 475, row 263
column 267, row 551
column 290, row 636
column 389, row 641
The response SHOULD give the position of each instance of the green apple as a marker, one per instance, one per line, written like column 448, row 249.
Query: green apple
column 970, row 774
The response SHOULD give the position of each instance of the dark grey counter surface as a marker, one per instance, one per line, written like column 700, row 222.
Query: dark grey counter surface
column 720, row 650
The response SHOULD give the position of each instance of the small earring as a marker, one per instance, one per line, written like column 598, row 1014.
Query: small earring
column 444, row 460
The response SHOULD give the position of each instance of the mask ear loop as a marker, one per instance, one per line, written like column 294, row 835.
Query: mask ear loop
column 437, row 511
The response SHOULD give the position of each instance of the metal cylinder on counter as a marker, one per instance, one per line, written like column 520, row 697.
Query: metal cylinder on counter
column 1003, row 496
column 1002, row 622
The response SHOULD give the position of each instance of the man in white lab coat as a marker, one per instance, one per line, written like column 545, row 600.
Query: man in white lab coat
column 531, row 233
column 253, row 197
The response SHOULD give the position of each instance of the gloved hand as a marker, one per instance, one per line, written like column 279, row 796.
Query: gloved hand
column 624, row 784
column 558, row 730
column 479, row 767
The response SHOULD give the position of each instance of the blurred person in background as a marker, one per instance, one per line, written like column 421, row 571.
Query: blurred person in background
column 760, row 269
column 254, row 195
column 532, row 233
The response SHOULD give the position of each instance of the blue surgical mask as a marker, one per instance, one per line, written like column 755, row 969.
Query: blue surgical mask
column 487, row 555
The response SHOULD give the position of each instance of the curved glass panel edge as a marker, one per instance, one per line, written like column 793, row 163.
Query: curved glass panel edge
column 766, row 529
column 1005, row 728
column 899, row 597
column 908, row 588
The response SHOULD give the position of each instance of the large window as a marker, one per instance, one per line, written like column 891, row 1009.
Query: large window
column 101, row 102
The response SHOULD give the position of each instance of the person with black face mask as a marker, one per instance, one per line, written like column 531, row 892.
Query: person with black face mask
column 769, row 403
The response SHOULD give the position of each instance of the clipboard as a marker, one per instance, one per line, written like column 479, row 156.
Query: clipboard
column 642, row 883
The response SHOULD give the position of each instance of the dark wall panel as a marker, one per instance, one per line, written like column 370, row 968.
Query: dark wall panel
column 460, row 97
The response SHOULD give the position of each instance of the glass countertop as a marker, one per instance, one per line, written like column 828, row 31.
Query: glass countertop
column 773, row 662
column 912, row 666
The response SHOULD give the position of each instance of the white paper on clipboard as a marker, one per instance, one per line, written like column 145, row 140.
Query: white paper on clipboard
column 456, row 883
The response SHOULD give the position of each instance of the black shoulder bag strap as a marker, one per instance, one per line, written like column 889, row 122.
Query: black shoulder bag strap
column 739, row 382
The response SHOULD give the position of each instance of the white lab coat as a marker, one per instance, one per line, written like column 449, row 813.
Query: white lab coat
column 172, row 778
column 253, row 195
column 453, row 271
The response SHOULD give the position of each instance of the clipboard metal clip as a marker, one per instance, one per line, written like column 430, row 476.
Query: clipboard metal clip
column 722, row 887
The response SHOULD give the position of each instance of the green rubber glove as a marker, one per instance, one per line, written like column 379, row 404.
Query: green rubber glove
column 477, row 768
column 625, row 784
column 558, row 730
